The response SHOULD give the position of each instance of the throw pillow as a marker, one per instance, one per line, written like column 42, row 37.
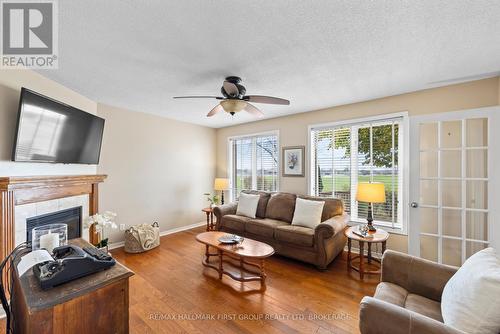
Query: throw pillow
column 307, row 213
column 471, row 298
column 247, row 205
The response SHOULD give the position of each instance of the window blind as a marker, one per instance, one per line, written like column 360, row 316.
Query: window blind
column 345, row 155
column 332, row 172
column 242, row 174
column 267, row 163
column 254, row 163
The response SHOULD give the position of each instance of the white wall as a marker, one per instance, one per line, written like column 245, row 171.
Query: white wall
column 158, row 169
column 11, row 82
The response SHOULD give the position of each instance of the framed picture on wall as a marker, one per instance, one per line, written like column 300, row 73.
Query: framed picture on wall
column 293, row 161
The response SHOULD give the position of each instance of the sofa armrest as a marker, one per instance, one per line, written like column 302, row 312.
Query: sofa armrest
column 332, row 226
column 419, row 276
column 225, row 209
column 377, row 316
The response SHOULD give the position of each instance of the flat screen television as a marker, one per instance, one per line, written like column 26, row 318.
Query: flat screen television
column 51, row 131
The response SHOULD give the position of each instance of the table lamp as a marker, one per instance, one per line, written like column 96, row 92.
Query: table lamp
column 370, row 193
column 221, row 184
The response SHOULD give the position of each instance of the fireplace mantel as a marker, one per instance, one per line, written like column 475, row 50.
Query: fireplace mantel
column 18, row 190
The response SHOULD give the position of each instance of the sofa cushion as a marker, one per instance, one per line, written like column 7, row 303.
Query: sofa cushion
column 333, row 206
column 425, row 306
column 391, row 293
column 307, row 213
column 247, row 205
column 396, row 295
column 297, row 235
column 263, row 227
column 281, row 207
column 234, row 222
column 264, row 198
column 470, row 300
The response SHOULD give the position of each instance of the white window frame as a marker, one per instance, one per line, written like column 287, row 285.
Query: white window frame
column 230, row 159
column 404, row 164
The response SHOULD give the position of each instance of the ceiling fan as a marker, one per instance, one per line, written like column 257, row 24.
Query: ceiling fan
column 234, row 100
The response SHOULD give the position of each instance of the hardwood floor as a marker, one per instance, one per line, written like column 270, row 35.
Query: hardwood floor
column 171, row 292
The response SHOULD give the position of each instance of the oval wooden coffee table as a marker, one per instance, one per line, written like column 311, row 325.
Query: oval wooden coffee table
column 377, row 236
column 242, row 262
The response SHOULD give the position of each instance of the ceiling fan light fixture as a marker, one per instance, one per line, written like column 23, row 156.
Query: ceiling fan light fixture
column 233, row 106
column 234, row 100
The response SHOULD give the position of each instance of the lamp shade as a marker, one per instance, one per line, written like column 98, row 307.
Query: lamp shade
column 371, row 192
column 221, row 184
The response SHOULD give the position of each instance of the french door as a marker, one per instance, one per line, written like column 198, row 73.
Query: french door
column 454, row 182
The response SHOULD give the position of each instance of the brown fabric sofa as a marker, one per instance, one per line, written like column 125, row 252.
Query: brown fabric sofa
column 272, row 225
column 408, row 298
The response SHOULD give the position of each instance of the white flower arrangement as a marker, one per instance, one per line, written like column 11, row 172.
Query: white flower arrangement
column 100, row 222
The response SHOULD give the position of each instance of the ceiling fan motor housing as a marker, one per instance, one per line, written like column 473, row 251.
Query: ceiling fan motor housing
column 237, row 82
column 241, row 92
column 234, row 79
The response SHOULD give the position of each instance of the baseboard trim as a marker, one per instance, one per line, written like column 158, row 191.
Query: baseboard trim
column 119, row 244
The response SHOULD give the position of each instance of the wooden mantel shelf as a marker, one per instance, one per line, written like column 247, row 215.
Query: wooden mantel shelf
column 20, row 182
column 19, row 190
column 31, row 189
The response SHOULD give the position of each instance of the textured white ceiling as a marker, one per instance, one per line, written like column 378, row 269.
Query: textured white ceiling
column 138, row 54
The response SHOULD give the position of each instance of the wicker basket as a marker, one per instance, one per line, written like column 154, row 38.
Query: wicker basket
column 133, row 245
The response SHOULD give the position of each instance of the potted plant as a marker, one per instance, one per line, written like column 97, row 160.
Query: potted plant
column 213, row 199
column 99, row 223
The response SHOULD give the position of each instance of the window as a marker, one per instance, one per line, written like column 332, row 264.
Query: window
column 345, row 154
column 254, row 163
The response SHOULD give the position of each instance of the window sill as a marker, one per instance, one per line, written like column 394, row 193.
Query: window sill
column 389, row 229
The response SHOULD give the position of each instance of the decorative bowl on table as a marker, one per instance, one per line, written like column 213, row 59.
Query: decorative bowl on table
column 231, row 239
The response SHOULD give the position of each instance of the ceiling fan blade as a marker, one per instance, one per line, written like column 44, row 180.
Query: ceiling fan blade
column 253, row 110
column 198, row 97
column 266, row 99
column 231, row 89
column 215, row 110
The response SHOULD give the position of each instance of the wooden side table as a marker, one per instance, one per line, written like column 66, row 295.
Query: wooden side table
column 380, row 236
column 210, row 218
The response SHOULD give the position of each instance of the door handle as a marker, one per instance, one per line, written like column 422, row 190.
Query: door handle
column 414, row 205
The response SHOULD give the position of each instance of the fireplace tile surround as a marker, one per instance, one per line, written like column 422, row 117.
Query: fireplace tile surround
column 25, row 211
column 26, row 196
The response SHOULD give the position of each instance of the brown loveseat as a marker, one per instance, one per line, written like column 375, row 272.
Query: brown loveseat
column 272, row 225
column 408, row 298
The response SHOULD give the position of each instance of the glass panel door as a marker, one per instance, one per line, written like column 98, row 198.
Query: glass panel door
column 451, row 183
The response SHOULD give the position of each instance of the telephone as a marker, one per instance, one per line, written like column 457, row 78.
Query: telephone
column 71, row 262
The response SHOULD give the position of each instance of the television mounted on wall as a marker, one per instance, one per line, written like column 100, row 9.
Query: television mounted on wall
column 51, row 131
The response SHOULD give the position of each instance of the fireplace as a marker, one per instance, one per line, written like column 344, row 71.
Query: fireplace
column 72, row 217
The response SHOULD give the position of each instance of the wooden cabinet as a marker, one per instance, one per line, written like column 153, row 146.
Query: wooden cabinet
column 98, row 303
